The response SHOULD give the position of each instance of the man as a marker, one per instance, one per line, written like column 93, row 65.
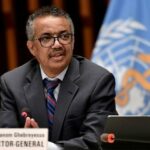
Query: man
column 84, row 95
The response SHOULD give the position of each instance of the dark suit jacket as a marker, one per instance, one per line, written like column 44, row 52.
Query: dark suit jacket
column 85, row 99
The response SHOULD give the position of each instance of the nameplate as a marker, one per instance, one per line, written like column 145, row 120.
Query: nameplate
column 23, row 139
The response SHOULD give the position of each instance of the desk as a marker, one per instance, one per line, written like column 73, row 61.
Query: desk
column 126, row 146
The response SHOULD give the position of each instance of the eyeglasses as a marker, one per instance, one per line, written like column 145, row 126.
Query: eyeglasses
column 49, row 40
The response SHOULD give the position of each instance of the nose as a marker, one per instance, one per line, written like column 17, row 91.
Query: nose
column 56, row 42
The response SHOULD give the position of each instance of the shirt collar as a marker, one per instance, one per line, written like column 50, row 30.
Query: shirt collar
column 59, row 76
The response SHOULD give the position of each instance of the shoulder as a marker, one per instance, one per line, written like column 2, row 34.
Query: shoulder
column 89, row 67
column 20, row 71
column 92, row 76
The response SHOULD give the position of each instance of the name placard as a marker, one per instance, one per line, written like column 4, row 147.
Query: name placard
column 23, row 139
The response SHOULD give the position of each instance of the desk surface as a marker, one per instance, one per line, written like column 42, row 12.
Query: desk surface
column 126, row 146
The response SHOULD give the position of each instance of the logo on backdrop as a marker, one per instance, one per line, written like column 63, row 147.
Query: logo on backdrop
column 127, row 56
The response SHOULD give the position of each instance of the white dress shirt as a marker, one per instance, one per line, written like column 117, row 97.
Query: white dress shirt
column 53, row 146
column 59, row 76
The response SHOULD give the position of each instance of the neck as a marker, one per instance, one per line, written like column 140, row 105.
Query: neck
column 52, row 73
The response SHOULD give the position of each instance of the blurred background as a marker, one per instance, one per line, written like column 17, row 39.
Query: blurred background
column 122, row 46
column 87, row 16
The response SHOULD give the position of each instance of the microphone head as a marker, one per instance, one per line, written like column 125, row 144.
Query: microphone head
column 111, row 138
column 25, row 112
column 108, row 137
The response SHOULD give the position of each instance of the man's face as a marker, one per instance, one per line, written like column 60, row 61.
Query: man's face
column 56, row 57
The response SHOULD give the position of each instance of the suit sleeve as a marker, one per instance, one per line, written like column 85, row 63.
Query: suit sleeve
column 8, row 110
column 102, row 104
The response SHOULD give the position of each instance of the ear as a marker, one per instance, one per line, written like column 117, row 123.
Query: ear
column 31, row 47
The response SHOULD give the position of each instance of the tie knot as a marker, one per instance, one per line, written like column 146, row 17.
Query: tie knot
column 50, row 84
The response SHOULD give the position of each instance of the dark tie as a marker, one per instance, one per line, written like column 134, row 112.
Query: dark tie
column 50, row 85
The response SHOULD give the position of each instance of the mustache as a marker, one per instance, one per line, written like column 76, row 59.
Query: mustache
column 56, row 52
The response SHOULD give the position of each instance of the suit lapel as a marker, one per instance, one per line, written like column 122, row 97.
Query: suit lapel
column 35, row 97
column 68, row 89
column 36, row 100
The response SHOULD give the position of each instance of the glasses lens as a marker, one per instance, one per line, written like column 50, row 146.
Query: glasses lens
column 65, row 38
column 47, row 41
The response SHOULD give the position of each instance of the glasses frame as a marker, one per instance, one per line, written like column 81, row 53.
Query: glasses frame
column 54, row 39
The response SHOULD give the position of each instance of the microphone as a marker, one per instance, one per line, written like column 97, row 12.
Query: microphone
column 25, row 112
column 31, row 123
column 108, row 137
